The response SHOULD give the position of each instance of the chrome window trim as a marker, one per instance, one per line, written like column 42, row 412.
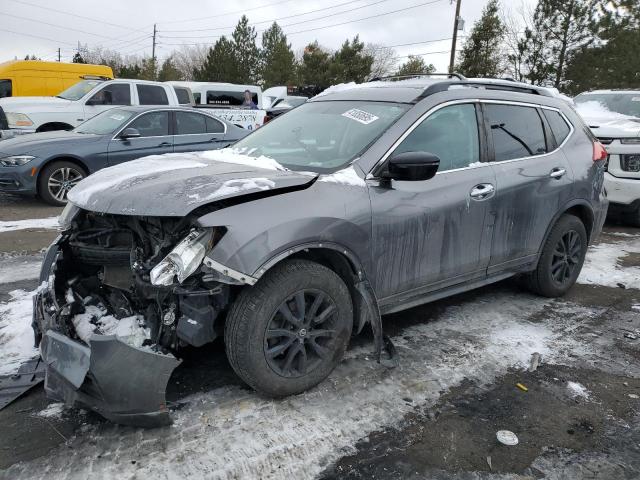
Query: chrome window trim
column 434, row 109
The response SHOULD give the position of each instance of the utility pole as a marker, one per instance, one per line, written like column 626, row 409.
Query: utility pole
column 58, row 53
column 455, row 36
column 153, row 52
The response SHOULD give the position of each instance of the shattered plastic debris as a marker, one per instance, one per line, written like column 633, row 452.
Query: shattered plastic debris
column 507, row 437
column 522, row 387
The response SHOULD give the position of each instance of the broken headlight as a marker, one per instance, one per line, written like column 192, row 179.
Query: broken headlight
column 184, row 259
column 68, row 214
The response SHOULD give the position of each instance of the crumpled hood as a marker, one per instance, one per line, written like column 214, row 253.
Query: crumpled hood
column 177, row 183
column 46, row 140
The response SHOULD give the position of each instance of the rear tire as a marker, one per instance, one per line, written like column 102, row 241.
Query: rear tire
column 56, row 179
column 274, row 347
column 561, row 259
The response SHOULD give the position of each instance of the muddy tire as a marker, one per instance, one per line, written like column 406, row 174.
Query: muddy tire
column 56, row 179
column 288, row 332
column 561, row 259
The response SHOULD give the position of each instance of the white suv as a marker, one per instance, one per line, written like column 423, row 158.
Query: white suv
column 84, row 100
column 614, row 117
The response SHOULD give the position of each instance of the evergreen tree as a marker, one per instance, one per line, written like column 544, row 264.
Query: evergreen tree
column 169, row 71
column 351, row 63
column 220, row 65
column 131, row 71
column 247, row 56
column 77, row 58
column 415, row 64
column 278, row 61
column 148, row 69
column 481, row 54
column 315, row 65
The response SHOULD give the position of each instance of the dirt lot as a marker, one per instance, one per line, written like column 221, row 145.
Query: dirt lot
column 434, row 416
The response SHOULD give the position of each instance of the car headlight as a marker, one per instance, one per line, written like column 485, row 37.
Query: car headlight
column 630, row 141
column 68, row 214
column 18, row 119
column 16, row 160
column 184, row 259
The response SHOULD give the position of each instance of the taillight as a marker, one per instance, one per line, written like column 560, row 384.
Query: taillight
column 599, row 152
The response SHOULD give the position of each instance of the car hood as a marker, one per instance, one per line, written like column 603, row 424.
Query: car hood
column 614, row 128
column 33, row 104
column 33, row 142
column 175, row 184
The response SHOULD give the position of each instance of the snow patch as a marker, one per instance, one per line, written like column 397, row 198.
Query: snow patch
column 232, row 187
column 17, row 269
column 240, row 156
column 346, row 176
column 95, row 320
column 602, row 265
column 593, row 110
column 16, row 334
column 53, row 410
column 577, row 390
column 34, row 223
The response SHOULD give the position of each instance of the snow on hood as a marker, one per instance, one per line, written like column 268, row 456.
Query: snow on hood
column 346, row 176
column 606, row 123
column 176, row 183
column 596, row 110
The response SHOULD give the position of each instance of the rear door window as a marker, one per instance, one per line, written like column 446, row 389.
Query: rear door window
column 114, row 94
column 451, row 133
column 152, row 95
column 152, row 124
column 5, row 88
column 183, row 95
column 558, row 125
column 188, row 123
column 517, row 131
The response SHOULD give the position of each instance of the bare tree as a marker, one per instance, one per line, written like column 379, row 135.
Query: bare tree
column 188, row 58
column 384, row 59
column 516, row 21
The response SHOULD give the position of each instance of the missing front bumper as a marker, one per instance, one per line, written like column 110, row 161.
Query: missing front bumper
column 122, row 383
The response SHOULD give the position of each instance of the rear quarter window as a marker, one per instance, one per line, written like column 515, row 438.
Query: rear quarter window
column 152, row 95
column 558, row 125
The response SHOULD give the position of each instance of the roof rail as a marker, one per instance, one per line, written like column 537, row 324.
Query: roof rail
column 94, row 77
column 515, row 87
column 414, row 75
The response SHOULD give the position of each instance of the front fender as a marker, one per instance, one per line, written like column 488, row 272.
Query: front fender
column 262, row 232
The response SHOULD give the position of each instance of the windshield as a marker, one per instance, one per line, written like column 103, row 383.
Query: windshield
column 322, row 136
column 106, row 122
column 623, row 103
column 79, row 90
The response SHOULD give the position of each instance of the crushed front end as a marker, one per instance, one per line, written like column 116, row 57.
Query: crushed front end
column 120, row 297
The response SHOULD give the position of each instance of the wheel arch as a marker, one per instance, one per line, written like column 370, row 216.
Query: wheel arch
column 579, row 208
column 53, row 126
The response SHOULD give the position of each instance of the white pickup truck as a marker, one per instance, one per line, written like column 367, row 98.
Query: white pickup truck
column 82, row 101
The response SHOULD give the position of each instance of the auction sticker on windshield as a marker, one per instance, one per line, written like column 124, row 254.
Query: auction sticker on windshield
column 360, row 116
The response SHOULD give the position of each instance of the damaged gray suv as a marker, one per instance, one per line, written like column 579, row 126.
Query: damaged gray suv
column 361, row 202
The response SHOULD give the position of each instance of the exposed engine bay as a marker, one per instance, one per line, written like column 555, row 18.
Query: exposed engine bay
column 104, row 278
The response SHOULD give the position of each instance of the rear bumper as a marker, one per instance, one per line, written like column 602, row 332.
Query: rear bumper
column 622, row 191
column 122, row 383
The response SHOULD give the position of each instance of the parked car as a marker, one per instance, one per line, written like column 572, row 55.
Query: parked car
column 227, row 101
column 49, row 164
column 614, row 117
column 28, row 78
column 83, row 101
column 361, row 202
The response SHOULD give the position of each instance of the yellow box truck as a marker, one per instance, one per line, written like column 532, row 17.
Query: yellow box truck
column 29, row 78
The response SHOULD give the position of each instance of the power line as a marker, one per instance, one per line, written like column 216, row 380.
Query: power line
column 327, row 26
column 54, row 25
column 282, row 18
column 245, row 10
column 55, row 10
column 36, row 36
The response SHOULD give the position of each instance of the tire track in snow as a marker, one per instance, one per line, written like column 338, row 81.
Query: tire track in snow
column 231, row 432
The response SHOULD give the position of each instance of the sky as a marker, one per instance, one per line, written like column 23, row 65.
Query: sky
column 40, row 27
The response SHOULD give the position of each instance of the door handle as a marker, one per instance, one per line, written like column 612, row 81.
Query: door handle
column 482, row 191
column 557, row 172
column 165, row 144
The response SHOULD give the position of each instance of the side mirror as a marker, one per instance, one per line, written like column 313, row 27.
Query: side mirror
column 411, row 166
column 129, row 133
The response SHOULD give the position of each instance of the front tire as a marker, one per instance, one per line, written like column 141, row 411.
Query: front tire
column 561, row 259
column 56, row 179
column 288, row 332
